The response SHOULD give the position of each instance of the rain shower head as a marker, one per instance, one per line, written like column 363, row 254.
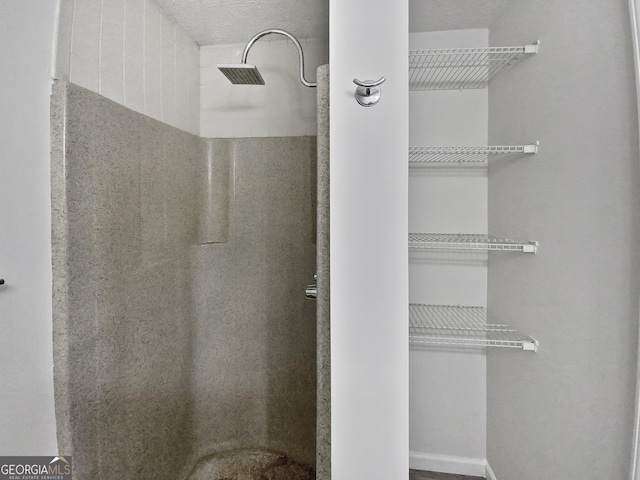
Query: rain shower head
column 242, row 73
column 246, row 74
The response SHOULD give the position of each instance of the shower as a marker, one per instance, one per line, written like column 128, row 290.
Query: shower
column 246, row 74
column 186, row 347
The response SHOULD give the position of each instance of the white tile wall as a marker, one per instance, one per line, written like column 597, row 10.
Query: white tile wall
column 131, row 52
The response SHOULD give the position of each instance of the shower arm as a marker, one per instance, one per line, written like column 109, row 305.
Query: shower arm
column 290, row 37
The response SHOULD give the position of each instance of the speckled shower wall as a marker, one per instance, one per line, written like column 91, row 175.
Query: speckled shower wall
column 124, row 218
column 255, row 333
column 166, row 347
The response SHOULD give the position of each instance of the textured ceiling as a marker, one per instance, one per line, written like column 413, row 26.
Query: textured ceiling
column 431, row 15
column 236, row 21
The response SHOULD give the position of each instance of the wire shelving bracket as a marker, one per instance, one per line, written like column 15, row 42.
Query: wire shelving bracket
column 460, row 68
column 462, row 326
column 423, row 155
column 478, row 242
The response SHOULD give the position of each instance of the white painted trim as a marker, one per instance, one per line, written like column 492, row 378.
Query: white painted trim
column 369, row 366
column 488, row 472
column 447, row 464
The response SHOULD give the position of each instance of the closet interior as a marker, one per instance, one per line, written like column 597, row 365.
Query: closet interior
column 450, row 326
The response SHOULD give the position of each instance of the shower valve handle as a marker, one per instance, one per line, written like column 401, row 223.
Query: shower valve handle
column 368, row 92
column 312, row 290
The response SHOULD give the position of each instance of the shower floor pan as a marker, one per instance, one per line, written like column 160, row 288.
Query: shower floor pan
column 250, row 465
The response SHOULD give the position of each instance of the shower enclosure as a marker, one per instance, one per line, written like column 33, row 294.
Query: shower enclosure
column 185, row 347
column 168, row 348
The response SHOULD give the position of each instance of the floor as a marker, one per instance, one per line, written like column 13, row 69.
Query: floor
column 250, row 464
column 422, row 475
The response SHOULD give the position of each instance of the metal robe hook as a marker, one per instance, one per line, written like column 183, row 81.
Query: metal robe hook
column 369, row 91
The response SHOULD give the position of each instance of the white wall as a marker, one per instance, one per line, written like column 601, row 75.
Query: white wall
column 571, row 403
column 281, row 107
column 132, row 53
column 368, row 247
column 448, row 386
column 27, row 422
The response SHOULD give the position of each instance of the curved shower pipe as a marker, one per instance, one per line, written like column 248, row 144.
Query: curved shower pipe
column 295, row 41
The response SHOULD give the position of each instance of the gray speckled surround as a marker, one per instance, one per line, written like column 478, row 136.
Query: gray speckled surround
column 254, row 377
column 123, row 221
column 323, row 439
column 168, row 346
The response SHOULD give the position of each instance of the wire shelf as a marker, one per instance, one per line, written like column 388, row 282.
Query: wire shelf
column 445, row 241
column 422, row 155
column 462, row 326
column 456, row 68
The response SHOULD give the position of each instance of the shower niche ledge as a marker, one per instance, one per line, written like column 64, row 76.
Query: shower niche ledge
column 463, row 326
column 450, row 154
column 465, row 242
column 462, row 68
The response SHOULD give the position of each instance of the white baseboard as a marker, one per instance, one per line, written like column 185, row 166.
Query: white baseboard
column 488, row 474
column 448, row 464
